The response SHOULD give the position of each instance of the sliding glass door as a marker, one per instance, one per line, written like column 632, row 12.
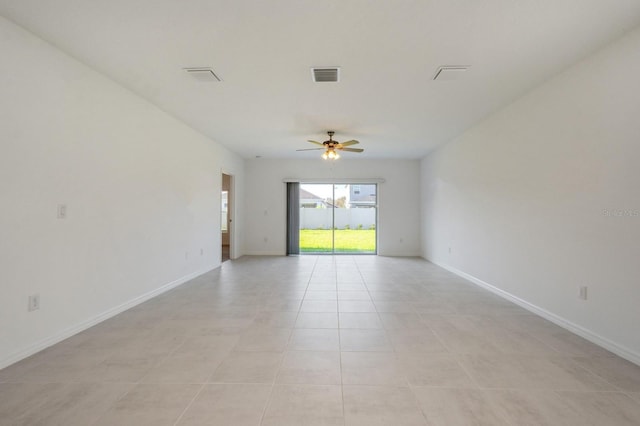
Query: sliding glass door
column 355, row 215
column 316, row 218
column 338, row 218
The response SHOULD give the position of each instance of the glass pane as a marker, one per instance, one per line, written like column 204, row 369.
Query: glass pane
column 338, row 218
column 316, row 218
column 355, row 218
column 224, row 212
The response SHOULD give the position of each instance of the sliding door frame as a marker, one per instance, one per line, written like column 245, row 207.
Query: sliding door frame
column 334, row 183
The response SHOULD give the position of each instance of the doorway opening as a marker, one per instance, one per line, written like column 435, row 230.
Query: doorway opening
column 338, row 218
column 226, row 198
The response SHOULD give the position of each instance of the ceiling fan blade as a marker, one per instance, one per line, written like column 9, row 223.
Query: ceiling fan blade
column 351, row 142
column 351, row 149
column 310, row 149
column 317, row 143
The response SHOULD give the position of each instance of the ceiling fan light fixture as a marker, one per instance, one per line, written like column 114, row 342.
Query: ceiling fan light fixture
column 331, row 148
column 330, row 154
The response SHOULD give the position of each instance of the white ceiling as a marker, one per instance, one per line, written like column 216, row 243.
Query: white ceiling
column 388, row 51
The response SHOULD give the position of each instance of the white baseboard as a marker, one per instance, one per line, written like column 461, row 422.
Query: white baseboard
column 399, row 254
column 273, row 253
column 264, row 253
column 70, row 331
column 595, row 338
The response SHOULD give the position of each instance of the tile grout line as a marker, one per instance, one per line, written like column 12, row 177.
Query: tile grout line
column 189, row 404
column 124, row 394
column 340, row 349
column 588, row 370
column 473, row 379
column 242, row 295
column 448, row 352
column 275, row 377
column 394, row 352
column 454, row 355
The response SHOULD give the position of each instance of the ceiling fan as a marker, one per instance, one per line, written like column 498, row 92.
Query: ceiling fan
column 331, row 147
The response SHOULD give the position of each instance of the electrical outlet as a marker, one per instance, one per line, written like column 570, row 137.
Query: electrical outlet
column 62, row 211
column 201, row 251
column 34, row 303
column 583, row 292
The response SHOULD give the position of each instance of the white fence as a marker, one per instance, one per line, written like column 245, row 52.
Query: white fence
column 322, row 218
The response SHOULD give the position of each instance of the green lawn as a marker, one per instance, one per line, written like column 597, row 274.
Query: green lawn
column 346, row 240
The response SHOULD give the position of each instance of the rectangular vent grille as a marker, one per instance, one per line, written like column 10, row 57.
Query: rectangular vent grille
column 326, row 74
column 203, row 74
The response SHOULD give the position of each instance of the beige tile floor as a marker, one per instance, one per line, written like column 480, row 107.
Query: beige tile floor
column 322, row 340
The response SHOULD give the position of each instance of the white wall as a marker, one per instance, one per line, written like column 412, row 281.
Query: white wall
column 398, row 200
column 521, row 198
column 141, row 190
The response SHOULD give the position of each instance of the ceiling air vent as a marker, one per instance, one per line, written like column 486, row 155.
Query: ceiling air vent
column 202, row 74
column 325, row 74
column 450, row 72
